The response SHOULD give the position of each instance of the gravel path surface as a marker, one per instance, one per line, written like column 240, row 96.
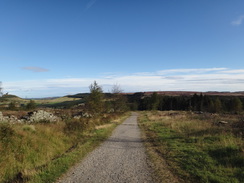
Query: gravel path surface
column 121, row 158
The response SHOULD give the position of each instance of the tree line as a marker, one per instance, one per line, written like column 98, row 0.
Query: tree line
column 98, row 102
column 204, row 103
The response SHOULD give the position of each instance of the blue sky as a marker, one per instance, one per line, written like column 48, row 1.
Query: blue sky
column 59, row 47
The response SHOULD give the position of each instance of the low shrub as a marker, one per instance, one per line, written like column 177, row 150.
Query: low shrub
column 30, row 128
column 75, row 125
column 6, row 132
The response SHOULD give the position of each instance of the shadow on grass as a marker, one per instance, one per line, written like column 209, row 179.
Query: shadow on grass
column 228, row 156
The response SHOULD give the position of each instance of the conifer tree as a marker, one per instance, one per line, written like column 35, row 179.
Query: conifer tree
column 154, row 101
column 217, row 105
column 236, row 105
column 95, row 101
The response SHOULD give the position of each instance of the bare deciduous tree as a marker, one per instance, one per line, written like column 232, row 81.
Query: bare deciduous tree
column 1, row 89
column 116, row 89
column 119, row 100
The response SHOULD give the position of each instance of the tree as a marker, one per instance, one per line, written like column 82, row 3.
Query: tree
column 1, row 89
column 12, row 106
column 95, row 101
column 154, row 101
column 236, row 105
column 197, row 102
column 118, row 99
column 215, row 105
column 31, row 105
column 218, row 105
column 116, row 89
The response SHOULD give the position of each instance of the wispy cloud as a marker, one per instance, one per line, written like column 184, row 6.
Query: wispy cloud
column 189, row 71
column 35, row 69
column 237, row 71
column 208, row 79
column 90, row 4
column 238, row 21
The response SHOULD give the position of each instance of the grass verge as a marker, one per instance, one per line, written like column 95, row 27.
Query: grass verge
column 43, row 152
column 193, row 147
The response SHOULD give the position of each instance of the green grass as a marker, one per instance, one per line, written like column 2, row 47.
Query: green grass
column 57, row 167
column 56, row 100
column 25, row 147
column 196, row 150
column 43, row 152
column 59, row 102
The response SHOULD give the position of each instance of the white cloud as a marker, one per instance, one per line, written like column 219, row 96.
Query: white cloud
column 208, row 79
column 238, row 21
column 238, row 71
column 35, row 69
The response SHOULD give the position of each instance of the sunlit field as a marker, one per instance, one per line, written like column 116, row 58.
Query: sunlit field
column 197, row 147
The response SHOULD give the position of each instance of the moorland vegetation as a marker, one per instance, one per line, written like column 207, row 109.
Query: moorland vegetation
column 196, row 147
column 41, row 139
column 199, row 137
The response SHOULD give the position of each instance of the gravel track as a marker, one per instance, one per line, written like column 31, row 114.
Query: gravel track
column 121, row 158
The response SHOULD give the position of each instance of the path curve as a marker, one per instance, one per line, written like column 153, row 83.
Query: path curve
column 121, row 158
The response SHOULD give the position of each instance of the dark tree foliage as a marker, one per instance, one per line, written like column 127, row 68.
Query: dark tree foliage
column 31, row 105
column 134, row 101
column 213, row 104
column 236, row 105
column 12, row 106
column 95, row 102
column 154, row 101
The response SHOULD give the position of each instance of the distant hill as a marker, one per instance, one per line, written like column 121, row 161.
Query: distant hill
column 63, row 102
column 71, row 100
column 8, row 96
column 189, row 93
column 78, row 95
column 11, row 98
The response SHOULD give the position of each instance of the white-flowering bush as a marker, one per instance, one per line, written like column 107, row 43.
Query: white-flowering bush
column 42, row 116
